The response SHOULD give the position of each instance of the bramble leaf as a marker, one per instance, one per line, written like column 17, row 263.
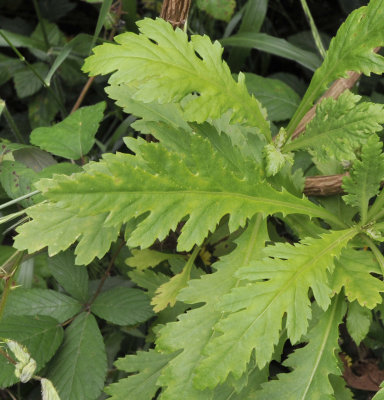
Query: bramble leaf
column 73, row 137
column 358, row 321
column 78, row 369
column 42, row 337
column 311, row 364
column 162, row 65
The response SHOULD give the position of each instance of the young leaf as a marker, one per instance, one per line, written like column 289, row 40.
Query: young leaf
column 358, row 321
column 163, row 66
column 35, row 302
column 73, row 137
column 143, row 385
column 312, row 364
column 72, row 278
column 195, row 328
column 168, row 185
column 277, row 286
column 365, row 177
column 354, row 271
column 340, row 125
column 351, row 50
column 123, row 306
column 78, row 369
column 41, row 336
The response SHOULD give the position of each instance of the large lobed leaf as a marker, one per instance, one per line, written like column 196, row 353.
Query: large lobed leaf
column 162, row 65
column 195, row 329
column 312, row 364
column 277, row 285
column 165, row 186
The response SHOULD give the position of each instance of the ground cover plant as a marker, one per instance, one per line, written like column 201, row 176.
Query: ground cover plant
column 230, row 249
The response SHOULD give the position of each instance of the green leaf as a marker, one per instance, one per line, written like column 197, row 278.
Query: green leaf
column 276, row 286
column 276, row 96
column 340, row 126
column 35, row 302
column 78, row 369
column 147, row 258
column 311, row 364
column 365, row 177
column 351, row 50
column 42, row 109
column 26, row 81
column 72, row 278
column 73, row 137
column 17, row 180
column 201, row 184
column 218, row 9
column 41, row 335
column 123, row 306
column 273, row 45
column 354, row 272
column 147, row 366
column 195, row 328
column 59, row 228
column 166, row 293
column 164, row 67
column 358, row 321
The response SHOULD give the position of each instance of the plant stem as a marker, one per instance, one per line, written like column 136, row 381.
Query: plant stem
column 14, row 201
column 33, row 70
column 40, row 18
column 315, row 32
column 12, row 124
column 107, row 273
column 7, row 356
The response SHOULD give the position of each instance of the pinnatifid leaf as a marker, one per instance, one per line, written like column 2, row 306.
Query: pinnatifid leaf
column 275, row 286
column 163, row 187
column 311, row 364
column 163, row 66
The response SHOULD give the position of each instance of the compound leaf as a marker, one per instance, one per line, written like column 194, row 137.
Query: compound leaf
column 41, row 335
column 123, row 306
column 78, row 369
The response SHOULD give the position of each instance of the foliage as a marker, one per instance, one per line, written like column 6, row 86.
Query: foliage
column 189, row 259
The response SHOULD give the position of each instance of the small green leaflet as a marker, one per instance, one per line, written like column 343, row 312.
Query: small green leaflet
column 358, row 321
column 163, row 66
column 203, row 184
column 350, row 50
column 365, row 176
column 311, row 364
column 73, row 137
column 276, row 286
